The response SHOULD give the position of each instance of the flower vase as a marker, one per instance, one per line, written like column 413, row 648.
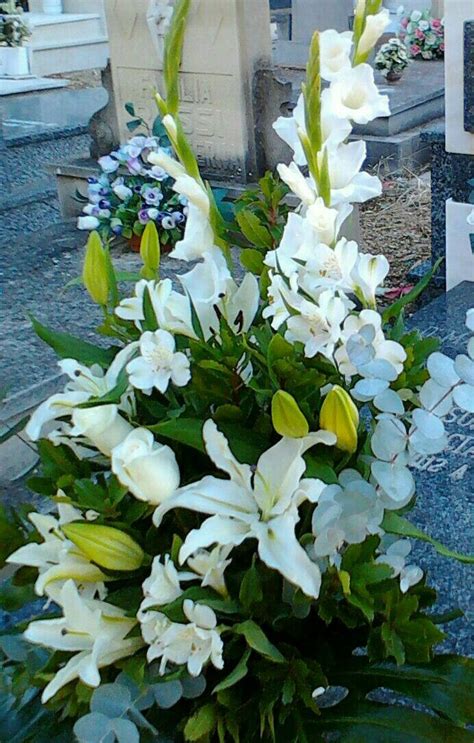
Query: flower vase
column 134, row 245
column 52, row 7
column 394, row 77
column 14, row 61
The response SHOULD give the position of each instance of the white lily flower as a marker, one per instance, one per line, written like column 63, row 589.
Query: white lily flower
column 56, row 558
column 374, row 28
column 211, row 566
column 214, row 294
column 193, row 644
column 279, row 297
column 172, row 310
column 158, row 363
column 262, row 506
column 318, row 325
column 335, row 53
column 84, row 383
column 355, row 96
column 163, row 586
column 148, row 469
column 95, row 631
column 102, row 425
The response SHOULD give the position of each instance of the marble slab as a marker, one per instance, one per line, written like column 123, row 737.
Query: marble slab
column 445, row 482
column 469, row 76
column 459, row 246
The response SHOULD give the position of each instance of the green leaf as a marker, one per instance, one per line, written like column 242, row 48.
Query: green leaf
column 393, row 644
column 69, row 347
column 202, row 723
column 251, row 588
column 130, row 108
column 186, row 431
column 239, row 672
column 395, row 524
column 369, row 722
column 10, row 432
column 112, row 397
column 150, row 321
column 253, row 229
column 258, row 641
column 252, row 260
column 395, row 308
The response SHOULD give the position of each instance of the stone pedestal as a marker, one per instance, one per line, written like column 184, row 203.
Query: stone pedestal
column 458, row 138
column 226, row 44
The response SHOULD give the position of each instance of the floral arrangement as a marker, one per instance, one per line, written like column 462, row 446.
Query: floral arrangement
column 423, row 35
column 13, row 30
column 392, row 59
column 130, row 192
column 226, row 556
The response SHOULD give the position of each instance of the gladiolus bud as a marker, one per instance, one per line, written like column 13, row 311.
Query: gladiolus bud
column 150, row 251
column 287, row 418
column 339, row 414
column 94, row 274
column 108, row 547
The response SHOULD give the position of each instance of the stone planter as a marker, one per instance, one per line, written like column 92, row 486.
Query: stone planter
column 14, row 61
column 52, row 7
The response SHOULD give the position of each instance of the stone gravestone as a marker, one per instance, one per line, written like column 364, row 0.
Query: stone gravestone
column 226, row 45
column 308, row 16
column 445, row 481
column 459, row 22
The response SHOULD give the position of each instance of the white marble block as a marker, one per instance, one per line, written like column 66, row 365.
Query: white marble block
column 457, row 12
column 459, row 250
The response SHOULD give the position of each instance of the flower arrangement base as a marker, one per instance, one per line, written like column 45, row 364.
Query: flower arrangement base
column 134, row 245
column 394, row 77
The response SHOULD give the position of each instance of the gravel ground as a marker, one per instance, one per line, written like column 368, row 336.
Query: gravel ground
column 79, row 80
column 398, row 224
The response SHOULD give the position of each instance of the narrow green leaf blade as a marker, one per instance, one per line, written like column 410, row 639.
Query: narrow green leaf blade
column 395, row 524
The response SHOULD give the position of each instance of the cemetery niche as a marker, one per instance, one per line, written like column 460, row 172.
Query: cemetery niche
column 249, row 516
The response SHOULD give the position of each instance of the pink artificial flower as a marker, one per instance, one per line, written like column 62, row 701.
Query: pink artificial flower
column 436, row 23
column 404, row 22
column 419, row 34
column 441, row 46
column 415, row 50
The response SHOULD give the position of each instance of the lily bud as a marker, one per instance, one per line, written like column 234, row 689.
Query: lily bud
column 339, row 414
column 374, row 28
column 150, row 251
column 287, row 418
column 108, row 547
column 94, row 273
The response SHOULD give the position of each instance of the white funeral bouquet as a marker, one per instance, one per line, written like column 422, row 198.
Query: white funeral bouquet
column 226, row 556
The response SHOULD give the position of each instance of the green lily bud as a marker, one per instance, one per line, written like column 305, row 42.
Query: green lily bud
column 150, row 251
column 108, row 547
column 287, row 418
column 339, row 415
column 95, row 273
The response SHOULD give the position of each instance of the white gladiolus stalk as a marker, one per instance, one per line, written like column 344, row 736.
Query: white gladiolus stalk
column 148, row 469
column 375, row 26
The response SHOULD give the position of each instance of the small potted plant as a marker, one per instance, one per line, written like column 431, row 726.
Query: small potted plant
column 14, row 59
column 392, row 60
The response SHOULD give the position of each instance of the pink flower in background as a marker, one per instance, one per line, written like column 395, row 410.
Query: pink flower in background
column 415, row 50
column 404, row 22
column 442, row 46
column 436, row 24
column 419, row 34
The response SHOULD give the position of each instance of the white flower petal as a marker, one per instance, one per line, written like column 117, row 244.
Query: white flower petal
column 215, row 530
column 464, row 397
